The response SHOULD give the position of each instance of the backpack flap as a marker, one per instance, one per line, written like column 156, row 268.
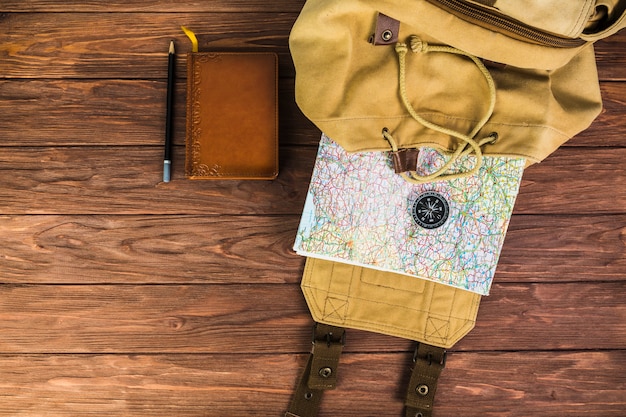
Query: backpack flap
column 344, row 295
column 341, row 295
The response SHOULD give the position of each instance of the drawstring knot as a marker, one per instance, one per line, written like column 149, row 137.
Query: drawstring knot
column 418, row 45
column 470, row 144
column 401, row 48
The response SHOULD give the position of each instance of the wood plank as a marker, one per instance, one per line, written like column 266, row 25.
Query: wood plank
column 127, row 180
column 132, row 112
column 563, row 248
column 606, row 130
column 73, row 112
column 540, row 383
column 128, row 46
column 510, row 384
column 134, row 6
column 611, row 57
column 568, row 177
column 132, row 45
column 153, row 318
column 199, row 249
column 239, row 318
column 550, row 316
column 149, row 249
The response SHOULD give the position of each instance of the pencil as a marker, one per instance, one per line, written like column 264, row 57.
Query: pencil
column 167, row 159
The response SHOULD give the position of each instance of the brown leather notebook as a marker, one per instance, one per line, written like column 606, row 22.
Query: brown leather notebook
column 232, row 115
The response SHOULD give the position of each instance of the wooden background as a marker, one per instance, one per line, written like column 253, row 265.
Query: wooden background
column 124, row 296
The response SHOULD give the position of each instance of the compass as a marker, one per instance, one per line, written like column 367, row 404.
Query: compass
column 430, row 210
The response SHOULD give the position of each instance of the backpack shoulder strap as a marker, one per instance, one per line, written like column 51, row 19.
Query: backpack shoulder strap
column 429, row 362
column 320, row 372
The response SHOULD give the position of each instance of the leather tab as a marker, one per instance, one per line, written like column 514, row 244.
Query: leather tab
column 429, row 362
column 306, row 402
column 320, row 373
column 327, row 346
column 387, row 29
column 405, row 160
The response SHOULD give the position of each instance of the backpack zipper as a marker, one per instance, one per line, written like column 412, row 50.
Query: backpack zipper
column 505, row 25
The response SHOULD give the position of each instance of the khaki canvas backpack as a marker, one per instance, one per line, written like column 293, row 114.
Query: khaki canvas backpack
column 478, row 77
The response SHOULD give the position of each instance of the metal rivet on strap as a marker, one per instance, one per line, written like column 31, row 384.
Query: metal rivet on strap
column 308, row 395
column 325, row 372
column 387, row 35
column 422, row 390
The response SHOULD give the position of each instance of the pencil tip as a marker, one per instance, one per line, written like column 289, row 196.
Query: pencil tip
column 171, row 47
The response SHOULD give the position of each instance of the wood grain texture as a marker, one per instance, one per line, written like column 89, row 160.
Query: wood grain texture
column 120, row 6
column 174, row 249
column 132, row 112
column 575, row 181
column 127, row 180
column 239, row 318
column 150, row 249
column 606, row 129
column 511, row 384
column 129, row 46
column 563, row 248
column 611, row 58
column 124, row 296
column 132, row 45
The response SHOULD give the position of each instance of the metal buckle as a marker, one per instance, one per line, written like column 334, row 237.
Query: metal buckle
column 328, row 338
column 429, row 357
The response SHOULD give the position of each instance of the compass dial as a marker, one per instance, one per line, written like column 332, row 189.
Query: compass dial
column 430, row 210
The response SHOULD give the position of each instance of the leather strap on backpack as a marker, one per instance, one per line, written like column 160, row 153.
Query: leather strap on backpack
column 429, row 362
column 321, row 371
column 320, row 374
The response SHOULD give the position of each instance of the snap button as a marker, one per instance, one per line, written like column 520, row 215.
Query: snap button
column 325, row 372
column 422, row 390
